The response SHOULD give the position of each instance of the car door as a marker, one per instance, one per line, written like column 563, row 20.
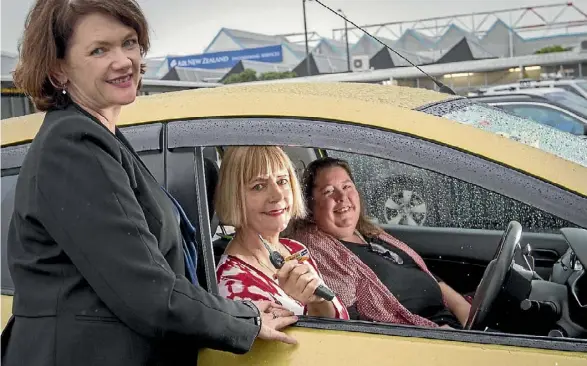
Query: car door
column 147, row 141
column 325, row 341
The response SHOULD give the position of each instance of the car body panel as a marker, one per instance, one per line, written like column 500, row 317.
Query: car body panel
column 371, row 107
column 315, row 348
column 327, row 101
column 6, row 309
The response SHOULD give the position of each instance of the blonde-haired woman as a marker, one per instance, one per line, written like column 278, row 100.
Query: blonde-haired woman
column 258, row 193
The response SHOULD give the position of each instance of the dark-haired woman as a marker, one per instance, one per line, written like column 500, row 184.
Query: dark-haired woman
column 376, row 276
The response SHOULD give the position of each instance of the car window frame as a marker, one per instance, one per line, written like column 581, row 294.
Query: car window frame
column 238, row 131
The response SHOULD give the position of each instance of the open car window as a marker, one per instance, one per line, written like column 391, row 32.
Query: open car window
column 495, row 120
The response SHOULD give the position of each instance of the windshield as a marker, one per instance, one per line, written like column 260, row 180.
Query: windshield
column 488, row 118
column 569, row 100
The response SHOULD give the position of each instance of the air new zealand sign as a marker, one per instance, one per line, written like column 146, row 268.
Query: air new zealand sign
column 227, row 59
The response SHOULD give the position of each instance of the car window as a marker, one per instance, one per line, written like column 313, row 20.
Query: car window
column 401, row 194
column 498, row 121
column 569, row 100
column 547, row 116
column 582, row 85
column 571, row 89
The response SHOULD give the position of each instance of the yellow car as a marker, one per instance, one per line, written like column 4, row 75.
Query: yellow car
column 444, row 174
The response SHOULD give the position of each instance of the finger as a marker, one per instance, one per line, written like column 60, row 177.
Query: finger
column 296, row 273
column 283, row 322
column 310, row 288
column 282, row 313
column 282, row 337
column 292, row 277
column 283, row 272
column 262, row 305
column 276, row 306
column 301, row 269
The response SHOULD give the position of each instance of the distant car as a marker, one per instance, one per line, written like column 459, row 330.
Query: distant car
column 556, row 108
column 575, row 86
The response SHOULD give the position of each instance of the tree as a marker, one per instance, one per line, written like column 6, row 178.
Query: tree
column 273, row 75
column 251, row 75
column 242, row 77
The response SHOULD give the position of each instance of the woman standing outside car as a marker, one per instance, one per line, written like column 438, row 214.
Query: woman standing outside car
column 94, row 246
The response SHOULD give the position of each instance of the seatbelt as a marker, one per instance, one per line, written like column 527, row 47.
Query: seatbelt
column 188, row 233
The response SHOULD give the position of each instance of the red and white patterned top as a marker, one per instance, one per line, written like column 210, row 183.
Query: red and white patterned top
column 238, row 280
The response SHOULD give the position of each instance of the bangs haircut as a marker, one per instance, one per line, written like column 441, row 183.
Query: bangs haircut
column 240, row 166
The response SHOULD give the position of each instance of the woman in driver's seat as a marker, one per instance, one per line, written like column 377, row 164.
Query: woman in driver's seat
column 376, row 276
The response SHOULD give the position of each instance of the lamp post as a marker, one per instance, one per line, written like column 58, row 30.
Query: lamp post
column 306, row 36
column 346, row 38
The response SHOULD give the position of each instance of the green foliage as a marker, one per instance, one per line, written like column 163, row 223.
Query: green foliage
column 243, row 77
column 273, row 75
column 552, row 49
column 250, row 75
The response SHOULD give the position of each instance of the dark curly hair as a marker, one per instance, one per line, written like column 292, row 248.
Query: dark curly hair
column 364, row 225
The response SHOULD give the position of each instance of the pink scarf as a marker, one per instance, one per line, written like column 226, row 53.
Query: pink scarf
column 354, row 282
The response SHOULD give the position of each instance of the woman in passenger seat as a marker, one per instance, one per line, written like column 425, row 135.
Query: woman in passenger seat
column 258, row 193
column 376, row 276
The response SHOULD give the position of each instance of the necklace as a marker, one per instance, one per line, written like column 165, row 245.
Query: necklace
column 269, row 247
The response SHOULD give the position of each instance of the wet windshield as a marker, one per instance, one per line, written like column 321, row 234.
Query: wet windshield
column 488, row 118
column 570, row 100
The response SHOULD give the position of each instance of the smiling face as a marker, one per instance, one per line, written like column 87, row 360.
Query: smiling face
column 101, row 68
column 336, row 205
column 268, row 202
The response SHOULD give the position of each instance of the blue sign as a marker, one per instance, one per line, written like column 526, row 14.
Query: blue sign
column 227, row 59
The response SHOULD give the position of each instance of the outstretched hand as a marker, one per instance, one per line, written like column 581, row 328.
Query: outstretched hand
column 275, row 317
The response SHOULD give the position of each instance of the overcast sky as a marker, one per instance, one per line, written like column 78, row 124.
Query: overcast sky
column 188, row 26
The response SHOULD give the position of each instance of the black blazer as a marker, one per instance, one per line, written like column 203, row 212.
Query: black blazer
column 95, row 252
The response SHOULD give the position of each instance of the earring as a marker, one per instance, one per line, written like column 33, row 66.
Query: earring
column 63, row 91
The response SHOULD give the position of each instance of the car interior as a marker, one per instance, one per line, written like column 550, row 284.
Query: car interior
column 542, row 293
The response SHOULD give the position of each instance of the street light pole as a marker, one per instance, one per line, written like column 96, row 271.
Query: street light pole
column 306, row 36
column 346, row 38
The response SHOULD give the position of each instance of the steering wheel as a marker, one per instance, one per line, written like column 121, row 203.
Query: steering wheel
column 494, row 277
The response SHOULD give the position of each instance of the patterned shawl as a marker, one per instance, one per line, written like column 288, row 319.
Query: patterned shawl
column 354, row 282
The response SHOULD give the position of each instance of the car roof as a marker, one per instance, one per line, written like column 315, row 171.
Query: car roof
column 371, row 105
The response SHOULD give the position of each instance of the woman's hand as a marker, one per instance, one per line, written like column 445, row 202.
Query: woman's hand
column 275, row 317
column 299, row 281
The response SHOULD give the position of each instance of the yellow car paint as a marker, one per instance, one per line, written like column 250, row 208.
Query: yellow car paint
column 320, row 347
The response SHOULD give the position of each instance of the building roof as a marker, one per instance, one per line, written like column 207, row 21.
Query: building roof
column 195, row 74
column 450, row 68
column 494, row 42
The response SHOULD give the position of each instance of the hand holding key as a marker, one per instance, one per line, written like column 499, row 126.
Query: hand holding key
column 299, row 281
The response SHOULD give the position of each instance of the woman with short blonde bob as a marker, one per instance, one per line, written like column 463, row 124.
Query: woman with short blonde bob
column 258, row 193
